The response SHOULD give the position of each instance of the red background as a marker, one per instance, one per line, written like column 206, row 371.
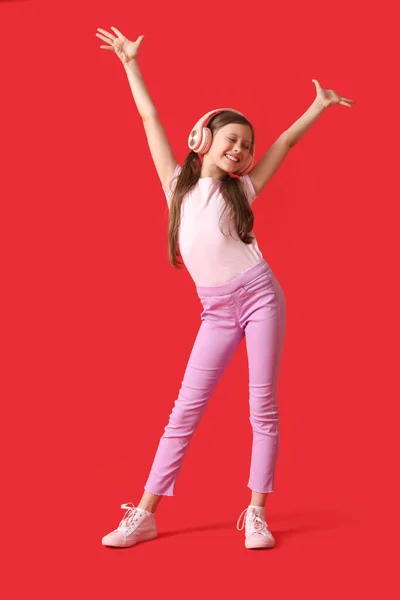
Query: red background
column 97, row 326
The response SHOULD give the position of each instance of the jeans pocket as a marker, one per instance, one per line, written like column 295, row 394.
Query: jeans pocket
column 259, row 283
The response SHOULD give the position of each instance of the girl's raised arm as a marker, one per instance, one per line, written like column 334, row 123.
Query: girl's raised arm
column 160, row 149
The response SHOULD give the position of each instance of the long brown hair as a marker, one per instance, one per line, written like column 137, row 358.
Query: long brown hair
column 230, row 187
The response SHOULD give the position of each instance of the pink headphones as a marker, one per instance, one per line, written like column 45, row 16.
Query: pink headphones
column 200, row 138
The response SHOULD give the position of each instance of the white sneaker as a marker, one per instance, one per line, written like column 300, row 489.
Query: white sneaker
column 137, row 525
column 257, row 534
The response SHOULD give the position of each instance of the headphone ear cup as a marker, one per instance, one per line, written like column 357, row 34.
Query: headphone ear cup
column 205, row 141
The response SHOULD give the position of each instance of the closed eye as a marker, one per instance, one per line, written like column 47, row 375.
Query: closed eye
column 231, row 140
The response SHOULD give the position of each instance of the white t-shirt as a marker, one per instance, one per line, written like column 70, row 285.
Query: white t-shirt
column 211, row 257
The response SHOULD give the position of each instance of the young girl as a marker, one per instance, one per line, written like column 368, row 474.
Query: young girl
column 211, row 221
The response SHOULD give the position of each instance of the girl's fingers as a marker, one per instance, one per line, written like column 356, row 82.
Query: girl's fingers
column 346, row 102
column 107, row 47
column 104, row 38
column 109, row 35
column 119, row 34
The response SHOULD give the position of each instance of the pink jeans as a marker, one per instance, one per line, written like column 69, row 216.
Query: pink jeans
column 251, row 305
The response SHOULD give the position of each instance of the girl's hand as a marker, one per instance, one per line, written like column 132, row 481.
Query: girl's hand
column 330, row 97
column 123, row 48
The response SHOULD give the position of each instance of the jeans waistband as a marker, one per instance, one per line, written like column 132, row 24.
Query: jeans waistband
column 232, row 286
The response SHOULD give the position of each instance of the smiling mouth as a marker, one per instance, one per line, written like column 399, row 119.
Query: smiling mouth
column 235, row 162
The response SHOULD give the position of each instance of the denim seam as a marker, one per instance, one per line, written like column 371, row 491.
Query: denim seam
column 275, row 389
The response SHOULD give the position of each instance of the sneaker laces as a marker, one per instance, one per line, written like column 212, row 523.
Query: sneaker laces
column 254, row 522
column 130, row 520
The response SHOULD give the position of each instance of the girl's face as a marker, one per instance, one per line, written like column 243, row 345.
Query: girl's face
column 232, row 140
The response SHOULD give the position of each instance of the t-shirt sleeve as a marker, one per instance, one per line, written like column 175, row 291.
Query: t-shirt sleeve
column 249, row 189
column 168, row 193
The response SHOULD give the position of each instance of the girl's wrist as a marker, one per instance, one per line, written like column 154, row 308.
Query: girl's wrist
column 130, row 62
column 319, row 104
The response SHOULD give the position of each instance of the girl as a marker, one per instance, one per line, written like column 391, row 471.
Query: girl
column 211, row 221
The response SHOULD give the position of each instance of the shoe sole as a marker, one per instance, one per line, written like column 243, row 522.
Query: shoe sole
column 260, row 544
column 145, row 538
